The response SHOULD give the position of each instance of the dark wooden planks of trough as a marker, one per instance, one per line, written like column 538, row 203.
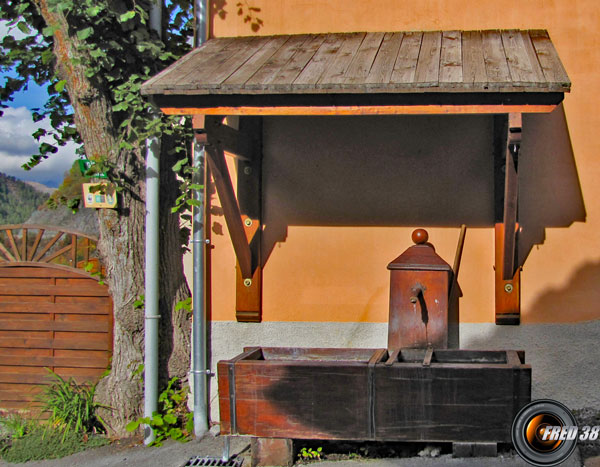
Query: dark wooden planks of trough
column 297, row 393
column 356, row 394
column 451, row 401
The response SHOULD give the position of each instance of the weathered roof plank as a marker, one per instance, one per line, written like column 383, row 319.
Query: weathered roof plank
column 505, row 61
column 314, row 70
column 474, row 73
column 451, row 67
column 363, row 59
column 255, row 63
column 522, row 71
column 496, row 66
column 287, row 75
column 408, row 56
column 262, row 78
column 335, row 74
column 552, row 67
column 383, row 65
column 428, row 66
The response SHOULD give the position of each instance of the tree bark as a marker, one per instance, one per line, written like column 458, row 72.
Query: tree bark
column 122, row 236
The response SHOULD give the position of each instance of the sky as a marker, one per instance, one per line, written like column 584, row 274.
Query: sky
column 16, row 142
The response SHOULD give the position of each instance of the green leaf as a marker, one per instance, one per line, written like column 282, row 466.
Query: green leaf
column 170, row 419
column 127, row 16
column 60, row 85
column 157, row 420
column 83, row 34
column 132, row 426
column 179, row 164
column 94, row 10
column 23, row 27
column 194, row 202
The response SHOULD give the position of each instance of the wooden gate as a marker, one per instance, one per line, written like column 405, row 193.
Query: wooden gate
column 55, row 312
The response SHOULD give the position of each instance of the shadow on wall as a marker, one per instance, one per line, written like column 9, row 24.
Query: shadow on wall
column 411, row 171
column 577, row 301
column 549, row 189
column 562, row 365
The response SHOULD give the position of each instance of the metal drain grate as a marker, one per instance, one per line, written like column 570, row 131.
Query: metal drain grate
column 214, row 461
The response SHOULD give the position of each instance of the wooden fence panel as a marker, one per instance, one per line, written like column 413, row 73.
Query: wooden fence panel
column 53, row 315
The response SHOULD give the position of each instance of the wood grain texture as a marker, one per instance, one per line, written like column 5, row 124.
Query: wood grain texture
column 383, row 65
column 50, row 318
column 335, row 74
column 462, row 395
column 376, row 62
column 507, row 301
column 451, row 67
column 427, row 73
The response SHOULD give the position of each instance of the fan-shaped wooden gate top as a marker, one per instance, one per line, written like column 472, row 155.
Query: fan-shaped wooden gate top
column 39, row 244
column 54, row 312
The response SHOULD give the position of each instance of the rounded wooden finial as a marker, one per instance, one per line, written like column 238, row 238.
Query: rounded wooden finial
column 420, row 236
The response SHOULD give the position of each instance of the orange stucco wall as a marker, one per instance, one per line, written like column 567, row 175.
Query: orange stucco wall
column 333, row 273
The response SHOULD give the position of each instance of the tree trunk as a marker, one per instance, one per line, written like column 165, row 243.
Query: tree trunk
column 122, row 236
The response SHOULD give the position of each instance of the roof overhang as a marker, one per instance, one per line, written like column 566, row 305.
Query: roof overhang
column 365, row 73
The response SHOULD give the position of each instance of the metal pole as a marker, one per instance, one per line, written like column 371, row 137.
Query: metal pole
column 199, row 369
column 152, row 284
column 151, row 309
column 201, row 32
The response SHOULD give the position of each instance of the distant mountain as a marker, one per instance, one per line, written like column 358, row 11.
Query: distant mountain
column 18, row 200
column 84, row 220
column 41, row 187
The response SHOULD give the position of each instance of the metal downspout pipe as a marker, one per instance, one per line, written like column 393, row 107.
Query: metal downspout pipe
column 151, row 310
column 200, row 369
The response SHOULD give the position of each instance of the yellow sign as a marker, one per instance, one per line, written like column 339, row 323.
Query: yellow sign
column 99, row 195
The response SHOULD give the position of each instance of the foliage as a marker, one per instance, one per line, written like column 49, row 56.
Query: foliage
column 18, row 200
column 69, row 191
column 71, row 406
column 39, row 443
column 310, row 454
column 118, row 51
column 173, row 420
column 15, row 425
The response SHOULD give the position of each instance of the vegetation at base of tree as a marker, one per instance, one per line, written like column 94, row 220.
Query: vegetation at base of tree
column 18, row 200
column 173, row 420
column 73, row 424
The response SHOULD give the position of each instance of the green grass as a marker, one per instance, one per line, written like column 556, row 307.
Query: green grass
column 48, row 443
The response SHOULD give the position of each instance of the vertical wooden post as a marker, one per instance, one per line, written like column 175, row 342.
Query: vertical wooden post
column 507, row 141
column 249, row 191
column 508, row 292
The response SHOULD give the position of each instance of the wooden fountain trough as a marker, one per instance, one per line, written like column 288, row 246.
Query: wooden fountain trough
column 421, row 388
column 366, row 394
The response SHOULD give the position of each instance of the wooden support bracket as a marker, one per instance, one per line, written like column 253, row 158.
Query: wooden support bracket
column 231, row 210
column 239, row 144
column 507, row 143
column 508, row 291
column 511, row 191
column 242, row 212
column 249, row 189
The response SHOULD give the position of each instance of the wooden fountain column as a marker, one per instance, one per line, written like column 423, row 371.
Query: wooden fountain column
column 422, row 313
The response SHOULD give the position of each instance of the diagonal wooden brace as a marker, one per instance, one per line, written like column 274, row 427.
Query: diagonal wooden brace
column 511, row 190
column 231, row 210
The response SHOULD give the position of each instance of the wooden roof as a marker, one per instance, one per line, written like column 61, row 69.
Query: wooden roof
column 393, row 62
